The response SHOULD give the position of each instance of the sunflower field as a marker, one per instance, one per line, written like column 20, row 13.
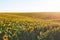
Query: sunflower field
column 15, row 27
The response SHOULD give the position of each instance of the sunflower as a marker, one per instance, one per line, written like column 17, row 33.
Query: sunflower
column 9, row 29
column 5, row 37
column 0, row 32
column 13, row 34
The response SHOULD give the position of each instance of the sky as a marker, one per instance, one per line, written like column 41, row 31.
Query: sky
column 29, row 5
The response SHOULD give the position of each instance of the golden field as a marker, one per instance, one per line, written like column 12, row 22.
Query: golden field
column 17, row 26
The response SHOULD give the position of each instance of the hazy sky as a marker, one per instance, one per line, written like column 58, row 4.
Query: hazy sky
column 29, row 5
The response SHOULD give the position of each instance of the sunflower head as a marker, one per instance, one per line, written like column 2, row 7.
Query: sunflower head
column 5, row 37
